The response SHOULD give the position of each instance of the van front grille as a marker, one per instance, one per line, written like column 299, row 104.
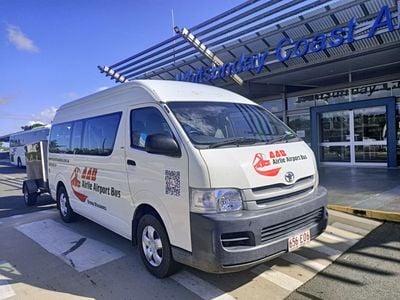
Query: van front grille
column 308, row 179
column 276, row 231
column 285, row 196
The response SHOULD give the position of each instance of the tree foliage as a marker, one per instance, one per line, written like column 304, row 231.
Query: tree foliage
column 29, row 127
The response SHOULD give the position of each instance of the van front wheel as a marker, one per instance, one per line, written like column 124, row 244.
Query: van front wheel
column 66, row 212
column 154, row 247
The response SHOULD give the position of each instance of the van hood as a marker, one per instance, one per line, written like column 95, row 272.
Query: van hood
column 256, row 166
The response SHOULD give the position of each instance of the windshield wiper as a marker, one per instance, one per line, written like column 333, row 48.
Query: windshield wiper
column 235, row 141
column 283, row 137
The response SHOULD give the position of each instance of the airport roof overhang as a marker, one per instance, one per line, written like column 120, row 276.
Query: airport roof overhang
column 307, row 31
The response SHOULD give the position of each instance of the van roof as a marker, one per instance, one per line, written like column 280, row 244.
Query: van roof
column 167, row 91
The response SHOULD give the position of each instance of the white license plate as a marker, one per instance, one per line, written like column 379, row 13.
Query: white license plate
column 298, row 240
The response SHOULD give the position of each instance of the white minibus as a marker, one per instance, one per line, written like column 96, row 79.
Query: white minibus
column 190, row 173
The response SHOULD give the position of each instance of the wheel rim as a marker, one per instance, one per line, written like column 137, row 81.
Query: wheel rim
column 63, row 204
column 152, row 246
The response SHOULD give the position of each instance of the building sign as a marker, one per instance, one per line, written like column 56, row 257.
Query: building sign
column 366, row 91
column 385, row 89
column 287, row 48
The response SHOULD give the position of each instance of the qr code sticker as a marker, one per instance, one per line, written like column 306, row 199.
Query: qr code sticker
column 173, row 183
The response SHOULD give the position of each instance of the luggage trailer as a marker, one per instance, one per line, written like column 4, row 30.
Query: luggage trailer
column 37, row 173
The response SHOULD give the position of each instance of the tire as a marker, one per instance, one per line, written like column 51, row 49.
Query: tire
column 29, row 199
column 66, row 212
column 154, row 247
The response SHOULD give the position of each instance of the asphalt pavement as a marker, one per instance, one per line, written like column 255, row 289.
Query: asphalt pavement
column 39, row 259
column 11, row 193
column 368, row 270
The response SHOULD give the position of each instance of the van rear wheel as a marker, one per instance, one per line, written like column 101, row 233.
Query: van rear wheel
column 154, row 247
column 66, row 212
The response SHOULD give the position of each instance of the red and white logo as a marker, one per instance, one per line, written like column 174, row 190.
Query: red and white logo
column 262, row 163
column 76, row 183
column 88, row 174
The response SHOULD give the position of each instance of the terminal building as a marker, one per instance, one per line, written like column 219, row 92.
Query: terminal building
column 329, row 69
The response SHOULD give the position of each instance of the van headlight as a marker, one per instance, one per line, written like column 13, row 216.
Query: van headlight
column 215, row 200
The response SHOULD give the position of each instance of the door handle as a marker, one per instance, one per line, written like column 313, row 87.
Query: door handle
column 131, row 162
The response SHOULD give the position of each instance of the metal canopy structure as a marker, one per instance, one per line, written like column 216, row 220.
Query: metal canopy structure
column 256, row 27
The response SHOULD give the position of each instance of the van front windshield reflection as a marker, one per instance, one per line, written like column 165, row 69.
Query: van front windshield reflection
column 222, row 124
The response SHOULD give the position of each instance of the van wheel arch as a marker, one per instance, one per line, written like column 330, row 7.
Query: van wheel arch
column 141, row 210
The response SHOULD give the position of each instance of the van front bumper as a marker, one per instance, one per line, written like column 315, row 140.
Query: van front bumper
column 229, row 242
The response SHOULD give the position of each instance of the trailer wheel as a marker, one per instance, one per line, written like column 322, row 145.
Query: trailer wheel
column 66, row 212
column 154, row 247
column 29, row 198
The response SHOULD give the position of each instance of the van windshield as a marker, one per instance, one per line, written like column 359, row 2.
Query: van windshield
column 220, row 124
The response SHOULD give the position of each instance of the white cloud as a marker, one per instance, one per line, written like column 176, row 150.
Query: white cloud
column 102, row 88
column 20, row 40
column 71, row 96
column 44, row 117
column 47, row 115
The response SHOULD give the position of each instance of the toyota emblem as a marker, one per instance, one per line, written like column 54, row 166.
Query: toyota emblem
column 289, row 177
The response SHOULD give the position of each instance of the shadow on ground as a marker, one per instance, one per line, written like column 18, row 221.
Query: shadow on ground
column 372, row 265
column 15, row 205
column 7, row 168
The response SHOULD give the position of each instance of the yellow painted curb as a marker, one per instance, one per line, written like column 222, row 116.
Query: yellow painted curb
column 368, row 213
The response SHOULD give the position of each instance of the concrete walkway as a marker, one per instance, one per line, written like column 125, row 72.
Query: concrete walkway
column 365, row 191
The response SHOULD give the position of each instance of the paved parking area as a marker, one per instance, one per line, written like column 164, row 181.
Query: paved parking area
column 41, row 257
column 373, row 192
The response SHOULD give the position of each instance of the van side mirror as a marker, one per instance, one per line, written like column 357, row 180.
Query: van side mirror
column 162, row 144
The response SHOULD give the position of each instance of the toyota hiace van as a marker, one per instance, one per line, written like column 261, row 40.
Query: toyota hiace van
column 190, row 173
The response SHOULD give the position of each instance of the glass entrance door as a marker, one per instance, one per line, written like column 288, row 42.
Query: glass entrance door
column 370, row 144
column 335, row 136
column 354, row 136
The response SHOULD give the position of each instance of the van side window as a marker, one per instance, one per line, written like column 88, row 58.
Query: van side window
column 76, row 140
column 93, row 136
column 99, row 135
column 145, row 122
column 60, row 138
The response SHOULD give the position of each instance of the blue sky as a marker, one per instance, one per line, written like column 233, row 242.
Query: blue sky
column 50, row 49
